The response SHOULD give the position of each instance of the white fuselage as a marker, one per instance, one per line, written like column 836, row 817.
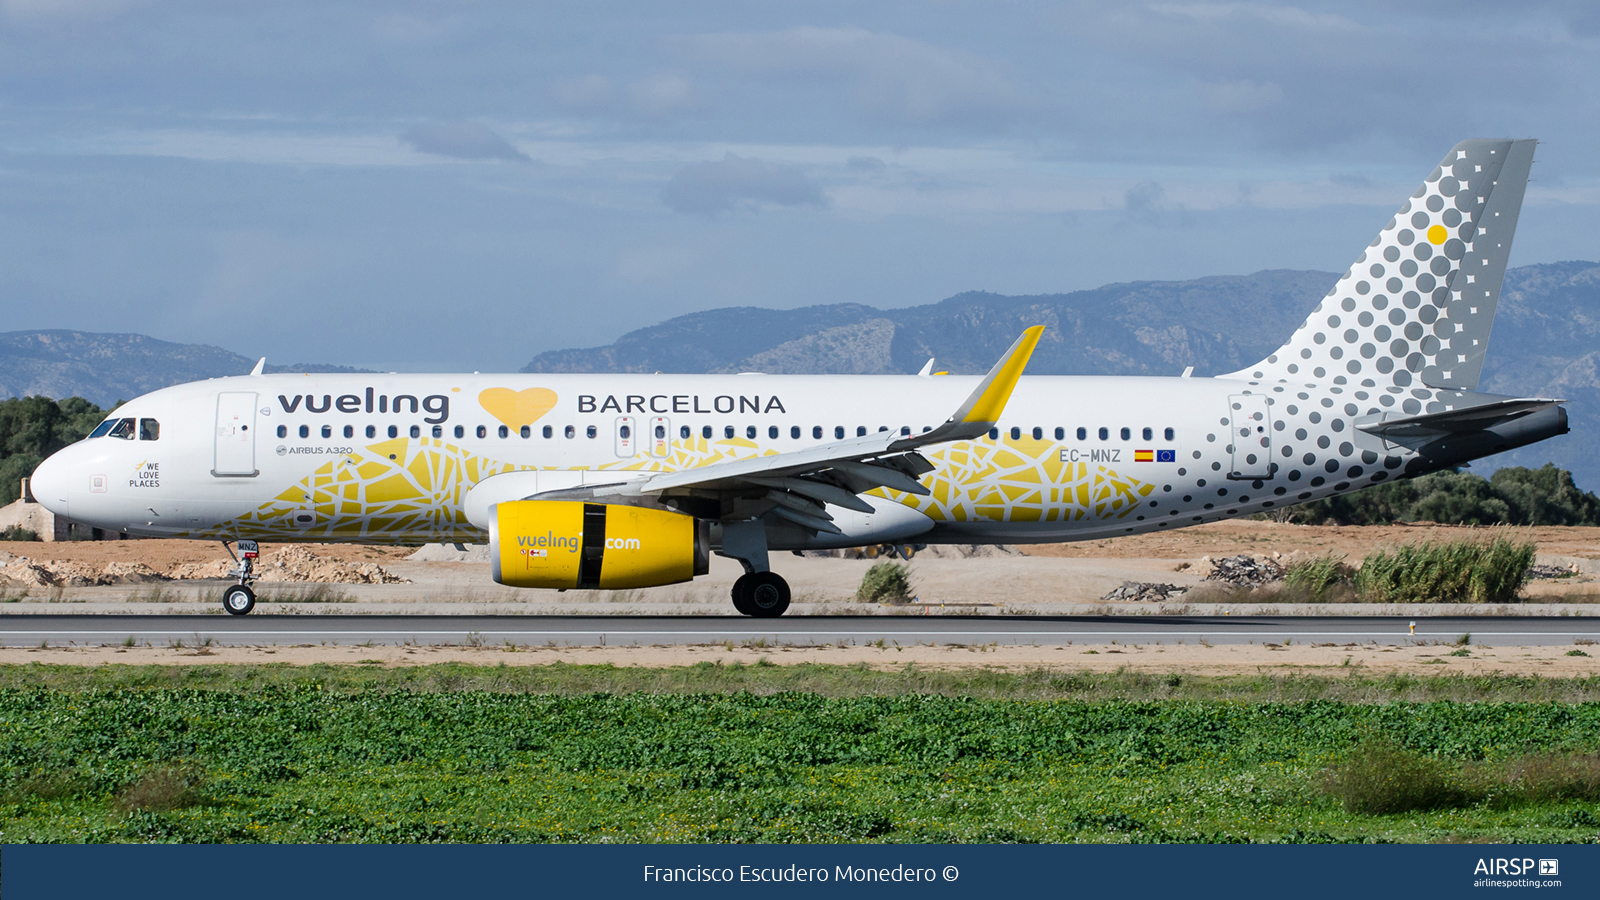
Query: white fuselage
column 311, row 457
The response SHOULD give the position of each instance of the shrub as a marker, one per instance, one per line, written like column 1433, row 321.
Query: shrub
column 1455, row 572
column 1381, row 778
column 18, row 533
column 1512, row 496
column 886, row 582
column 1549, row 776
column 169, row 787
column 1314, row 578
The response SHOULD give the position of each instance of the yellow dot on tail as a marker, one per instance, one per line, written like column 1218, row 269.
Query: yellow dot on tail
column 1437, row 234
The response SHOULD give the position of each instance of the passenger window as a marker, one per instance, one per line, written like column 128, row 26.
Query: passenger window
column 684, row 432
column 994, row 434
column 1061, row 433
column 705, row 432
column 1105, row 434
column 548, row 432
column 794, row 432
column 416, row 431
column 327, row 431
column 1015, row 432
column 727, row 432
column 838, row 432
column 816, row 432
column 149, row 430
column 1083, row 434
column 624, row 432
column 305, row 431
column 123, row 429
column 1149, row 434
column 527, row 432
column 905, row 430
column 350, row 431
column 1170, row 434
column 772, row 431
column 1126, row 434
column 461, row 432
column 438, row 431
column 505, row 432
column 104, row 427
column 592, row 431
column 283, row 431
column 750, row 432
column 883, row 428
column 372, row 431
column 861, row 431
column 482, row 431
column 394, row 431
column 569, row 431
column 1038, row 433
column 661, row 432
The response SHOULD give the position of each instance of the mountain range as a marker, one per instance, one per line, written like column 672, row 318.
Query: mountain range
column 1546, row 339
column 105, row 368
column 1546, row 342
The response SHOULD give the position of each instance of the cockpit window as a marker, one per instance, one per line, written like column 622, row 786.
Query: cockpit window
column 123, row 429
column 101, row 429
column 149, row 430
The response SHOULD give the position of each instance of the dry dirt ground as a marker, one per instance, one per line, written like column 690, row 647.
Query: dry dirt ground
column 1191, row 659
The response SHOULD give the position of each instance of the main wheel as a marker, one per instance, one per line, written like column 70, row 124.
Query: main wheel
column 238, row 600
column 741, row 596
column 768, row 595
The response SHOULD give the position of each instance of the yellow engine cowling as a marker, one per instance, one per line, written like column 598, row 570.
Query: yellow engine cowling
column 572, row 544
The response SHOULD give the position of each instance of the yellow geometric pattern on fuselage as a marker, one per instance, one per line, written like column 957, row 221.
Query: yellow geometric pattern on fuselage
column 412, row 489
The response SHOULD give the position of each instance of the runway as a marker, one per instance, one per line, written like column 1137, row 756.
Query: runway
column 589, row 631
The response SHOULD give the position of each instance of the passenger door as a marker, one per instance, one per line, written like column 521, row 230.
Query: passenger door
column 236, row 436
column 1251, row 436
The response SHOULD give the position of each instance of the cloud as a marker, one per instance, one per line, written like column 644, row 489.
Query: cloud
column 587, row 92
column 662, row 94
column 734, row 181
column 1285, row 16
column 461, row 140
column 866, row 164
column 896, row 77
column 1240, row 96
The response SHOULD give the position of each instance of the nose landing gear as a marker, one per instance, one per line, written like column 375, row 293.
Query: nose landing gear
column 239, row 599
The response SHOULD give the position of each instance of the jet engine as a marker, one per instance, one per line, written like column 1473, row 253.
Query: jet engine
column 572, row 544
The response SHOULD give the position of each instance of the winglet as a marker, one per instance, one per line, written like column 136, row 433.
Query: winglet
column 982, row 409
column 927, row 368
column 261, row 366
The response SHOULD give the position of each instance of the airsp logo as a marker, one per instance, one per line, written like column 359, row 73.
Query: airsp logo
column 1549, row 867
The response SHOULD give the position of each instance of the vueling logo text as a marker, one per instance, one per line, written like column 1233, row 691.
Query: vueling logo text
column 437, row 405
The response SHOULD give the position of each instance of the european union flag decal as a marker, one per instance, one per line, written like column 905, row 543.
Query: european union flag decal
column 1166, row 456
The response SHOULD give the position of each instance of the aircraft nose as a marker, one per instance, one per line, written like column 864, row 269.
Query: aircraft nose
column 49, row 484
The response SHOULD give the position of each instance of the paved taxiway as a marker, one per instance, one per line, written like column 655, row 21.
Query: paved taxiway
column 587, row 631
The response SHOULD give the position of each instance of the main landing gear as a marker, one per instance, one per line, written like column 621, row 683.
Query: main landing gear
column 764, row 595
column 759, row 592
column 238, row 599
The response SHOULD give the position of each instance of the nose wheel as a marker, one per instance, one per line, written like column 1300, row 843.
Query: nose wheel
column 764, row 595
column 238, row 599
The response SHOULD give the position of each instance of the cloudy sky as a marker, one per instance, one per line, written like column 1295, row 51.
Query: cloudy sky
column 460, row 185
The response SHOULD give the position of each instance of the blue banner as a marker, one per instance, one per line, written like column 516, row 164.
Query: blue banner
column 248, row 872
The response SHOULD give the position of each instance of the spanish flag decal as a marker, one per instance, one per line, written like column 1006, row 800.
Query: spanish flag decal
column 1144, row 456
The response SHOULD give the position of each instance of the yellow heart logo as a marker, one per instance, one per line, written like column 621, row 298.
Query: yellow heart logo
column 517, row 408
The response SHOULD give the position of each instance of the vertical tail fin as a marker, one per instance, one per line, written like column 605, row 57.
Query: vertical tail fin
column 1418, row 305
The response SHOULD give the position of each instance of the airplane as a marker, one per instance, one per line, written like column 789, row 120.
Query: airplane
column 586, row 481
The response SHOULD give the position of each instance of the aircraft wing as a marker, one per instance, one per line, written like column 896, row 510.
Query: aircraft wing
column 801, row 482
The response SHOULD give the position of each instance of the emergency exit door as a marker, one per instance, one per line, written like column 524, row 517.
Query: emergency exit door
column 1251, row 436
column 236, row 435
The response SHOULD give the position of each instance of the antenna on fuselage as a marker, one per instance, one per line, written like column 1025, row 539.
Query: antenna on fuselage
column 261, row 366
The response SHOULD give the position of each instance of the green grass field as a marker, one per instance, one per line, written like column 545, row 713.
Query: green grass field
column 777, row 754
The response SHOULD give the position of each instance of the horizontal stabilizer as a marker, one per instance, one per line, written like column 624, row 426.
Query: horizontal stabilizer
column 1451, row 421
